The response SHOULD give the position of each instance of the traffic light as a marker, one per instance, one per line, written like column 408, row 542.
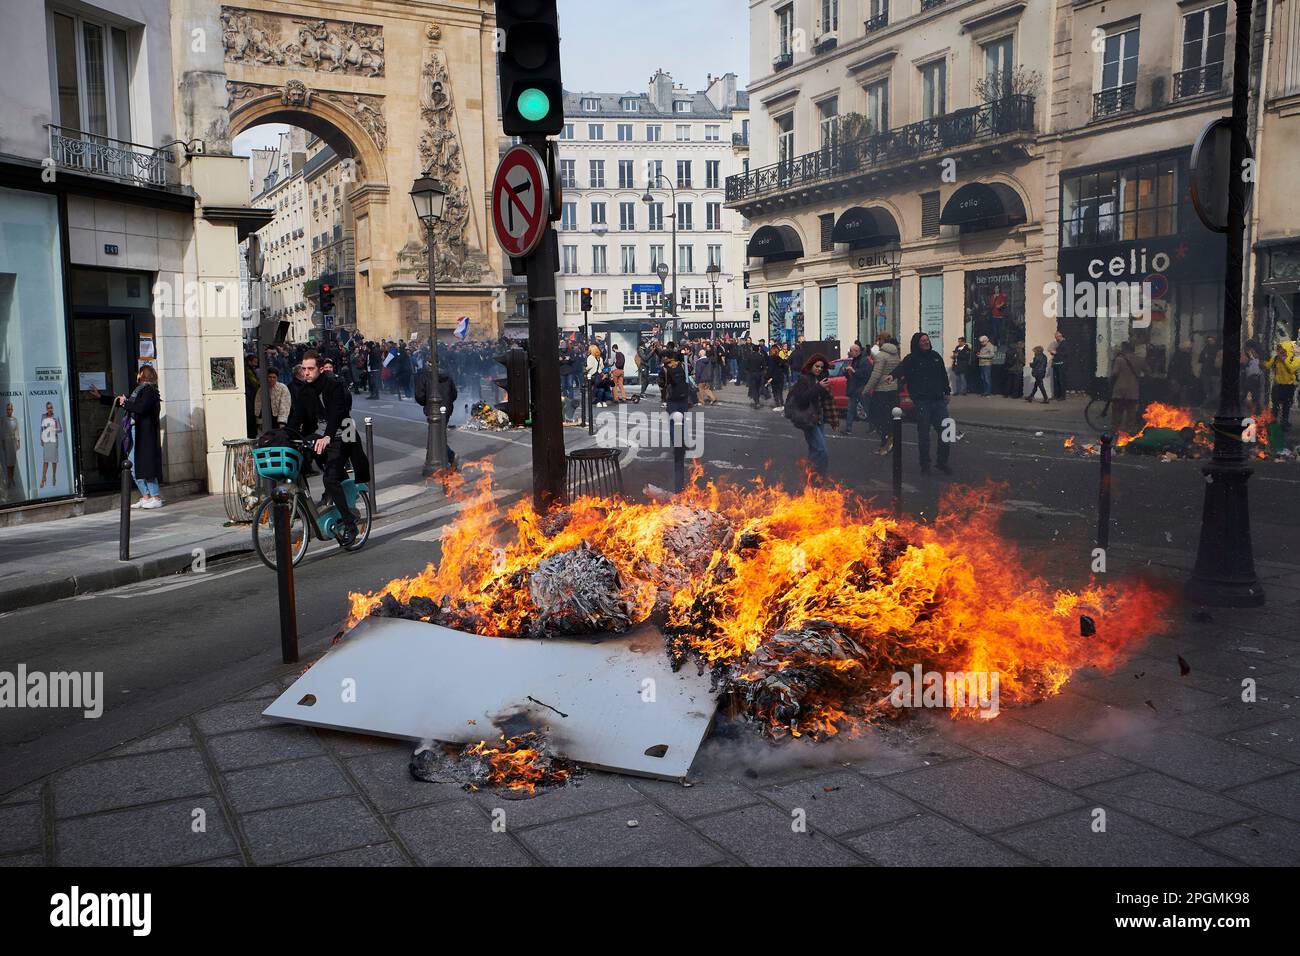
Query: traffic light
column 586, row 300
column 668, row 304
column 532, row 93
column 326, row 298
column 516, row 386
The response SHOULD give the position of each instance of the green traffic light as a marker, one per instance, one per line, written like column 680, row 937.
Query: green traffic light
column 534, row 105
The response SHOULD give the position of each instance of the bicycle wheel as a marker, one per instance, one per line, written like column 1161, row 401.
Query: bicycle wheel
column 1098, row 415
column 264, row 532
column 362, row 505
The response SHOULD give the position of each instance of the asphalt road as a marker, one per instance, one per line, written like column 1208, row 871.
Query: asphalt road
column 173, row 646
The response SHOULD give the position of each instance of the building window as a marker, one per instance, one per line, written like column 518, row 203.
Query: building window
column 656, row 216
column 683, row 133
column 569, row 173
column 934, row 89
column 631, row 300
column 626, row 176
column 656, row 258
column 597, row 169
column 878, row 107
column 1119, row 62
column 599, row 265
column 654, row 133
column 569, row 260
column 785, row 138
column 715, row 256
column 713, row 216
column 598, row 214
column 713, row 174
column 631, row 106
column 685, row 259
column 998, row 66
column 712, row 134
column 827, row 224
column 629, row 260
column 599, row 300
column 627, row 216
column 681, row 106
column 1119, row 205
column 595, row 131
column 1203, row 41
column 654, row 171
column 569, row 217
column 625, row 132
column 591, row 105
column 930, row 213
column 567, row 131
column 785, row 31
column 828, row 117
column 684, row 222
column 683, row 174
column 92, row 68
column 877, row 15
column 830, row 16
column 572, row 301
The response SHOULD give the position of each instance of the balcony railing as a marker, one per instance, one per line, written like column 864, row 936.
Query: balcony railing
column 105, row 156
column 781, row 62
column 1116, row 100
column 739, row 139
column 930, row 4
column 1199, row 80
column 880, row 20
column 1014, row 114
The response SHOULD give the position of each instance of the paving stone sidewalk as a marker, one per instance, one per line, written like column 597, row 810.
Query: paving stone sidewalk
column 1185, row 770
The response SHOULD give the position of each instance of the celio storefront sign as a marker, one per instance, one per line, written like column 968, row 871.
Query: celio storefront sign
column 880, row 258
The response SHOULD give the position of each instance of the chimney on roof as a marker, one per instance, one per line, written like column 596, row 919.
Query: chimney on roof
column 722, row 91
column 661, row 91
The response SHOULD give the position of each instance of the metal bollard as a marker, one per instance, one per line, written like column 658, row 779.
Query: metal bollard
column 124, row 522
column 374, row 465
column 1103, row 495
column 589, row 419
column 898, row 460
column 284, row 575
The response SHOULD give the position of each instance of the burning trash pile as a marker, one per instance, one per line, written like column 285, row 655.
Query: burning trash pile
column 483, row 417
column 802, row 606
column 519, row 766
column 1173, row 433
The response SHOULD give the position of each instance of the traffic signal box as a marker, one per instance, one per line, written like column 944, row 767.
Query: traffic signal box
column 532, row 93
column 586, row 300
column 516, row 386
column 326, row 298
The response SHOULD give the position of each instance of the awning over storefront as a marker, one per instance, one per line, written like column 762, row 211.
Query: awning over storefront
column 863, row 227
column 775, row 243
column 983, row 206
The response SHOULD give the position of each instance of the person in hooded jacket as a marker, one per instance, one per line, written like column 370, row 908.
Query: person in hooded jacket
column 927, row 382
column 1284, row 364
column 446, row 396
column 883, row 392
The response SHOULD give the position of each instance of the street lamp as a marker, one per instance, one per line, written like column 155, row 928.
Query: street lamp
column 648, row 199
column 714, row 271
column 428, row 195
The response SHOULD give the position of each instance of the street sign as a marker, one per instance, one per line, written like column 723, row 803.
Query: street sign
column 1210, row 174
column 652, row 287
column 329, row 321
column 520, row 200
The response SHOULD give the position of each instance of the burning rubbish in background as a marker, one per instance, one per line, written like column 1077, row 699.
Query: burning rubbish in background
column 801, row 606
column 1174, row 433
column 519, row 766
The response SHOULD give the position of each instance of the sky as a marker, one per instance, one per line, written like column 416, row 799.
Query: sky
column 614, row 46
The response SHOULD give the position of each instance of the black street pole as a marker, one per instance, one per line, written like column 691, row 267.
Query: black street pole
column 549, row 461
column 1225, row 562
column 435, row 446
column 124, row 518
column 586, row 380
column 1103, row 494
column 283, row 515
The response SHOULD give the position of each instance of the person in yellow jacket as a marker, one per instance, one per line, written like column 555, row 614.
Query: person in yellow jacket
column 1284, row 364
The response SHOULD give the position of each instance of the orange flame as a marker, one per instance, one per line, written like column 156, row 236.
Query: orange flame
column 516, row 764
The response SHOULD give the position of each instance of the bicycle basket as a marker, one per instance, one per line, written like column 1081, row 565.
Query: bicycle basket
column 278, row 463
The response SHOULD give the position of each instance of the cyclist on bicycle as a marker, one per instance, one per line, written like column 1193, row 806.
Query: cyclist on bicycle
column 325, row 404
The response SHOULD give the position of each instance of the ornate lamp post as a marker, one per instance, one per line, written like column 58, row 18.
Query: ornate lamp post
column 649, row 199
column 428, row 196
column 714, row 271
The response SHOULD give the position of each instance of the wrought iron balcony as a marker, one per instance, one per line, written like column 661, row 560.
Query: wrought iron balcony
column 1198, row 81
column 826, row 42
column 1005, row 117
column 930, row 4
column 782, row 62
column 104, row 156
column 739, row 139
column 1116, row 100
column 880, row 20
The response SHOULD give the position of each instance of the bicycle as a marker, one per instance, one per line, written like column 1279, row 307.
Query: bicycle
column 283, row 463
column 1097, row 412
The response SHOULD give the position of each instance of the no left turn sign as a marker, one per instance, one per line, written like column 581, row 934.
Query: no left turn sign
column 520, row 200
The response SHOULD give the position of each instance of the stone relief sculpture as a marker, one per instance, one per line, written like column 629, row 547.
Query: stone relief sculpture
column 329, row 46
column 367, row 110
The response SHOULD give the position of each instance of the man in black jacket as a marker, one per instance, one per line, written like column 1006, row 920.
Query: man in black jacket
column 325, row 404
column 446, row 397
column 927, row 382
column 677, row 396
column 375, row 358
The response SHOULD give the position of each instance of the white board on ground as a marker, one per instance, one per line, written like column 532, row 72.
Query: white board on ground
column 613, row 704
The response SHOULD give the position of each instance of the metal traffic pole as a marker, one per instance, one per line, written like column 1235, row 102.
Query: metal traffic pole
column 898, row 459
column 284, row 574
column 124, row 522
column 374, row 466
column 1103, row 494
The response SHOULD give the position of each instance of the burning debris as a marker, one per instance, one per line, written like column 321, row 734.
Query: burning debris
column 518, row 766
column 483, row 417
column 1171, row 433
column 801, row 605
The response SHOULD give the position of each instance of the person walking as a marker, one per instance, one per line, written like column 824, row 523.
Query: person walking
column 883, row 392
column 927, row 382
column 1038, row 369
column 141, row 434
column 1060, row 356
column 677, row 396
column 704, row 378
column 619, row 363
column 1284, row 364
column 776, row 373
column 985, row 358
column 858, row 373
column 445, row 396
column 281, row 403
column 375, row 361
column 754, row 370
column 961, row 359
column 810, row 407
column 404, row 372
column 1125, row 386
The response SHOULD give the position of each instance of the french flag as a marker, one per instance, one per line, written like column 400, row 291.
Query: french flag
column 462, row 327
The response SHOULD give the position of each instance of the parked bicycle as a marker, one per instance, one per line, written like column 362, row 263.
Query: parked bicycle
column 1097, row 411
column 284, row 463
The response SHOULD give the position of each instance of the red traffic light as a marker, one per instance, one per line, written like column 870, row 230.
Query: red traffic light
column 327, row 288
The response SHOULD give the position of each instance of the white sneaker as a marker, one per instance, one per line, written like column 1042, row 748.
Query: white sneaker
column 779, row 408
column 151, row 503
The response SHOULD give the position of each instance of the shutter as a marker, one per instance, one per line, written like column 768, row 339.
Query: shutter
column 930, row 213
column 828, row 227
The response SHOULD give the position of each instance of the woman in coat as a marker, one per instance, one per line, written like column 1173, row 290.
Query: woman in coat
column 883, row 392
column 811, row 408
column 142, row 434
column 1125, row 381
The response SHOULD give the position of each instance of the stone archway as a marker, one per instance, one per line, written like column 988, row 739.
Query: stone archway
column 399, row 95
